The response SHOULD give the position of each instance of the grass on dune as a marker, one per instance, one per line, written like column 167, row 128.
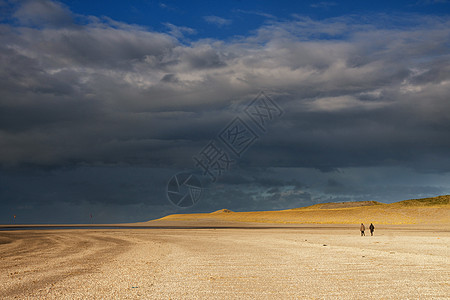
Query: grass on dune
column 435, row 201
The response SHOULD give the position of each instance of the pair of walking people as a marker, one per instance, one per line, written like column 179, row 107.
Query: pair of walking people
column 363, row 228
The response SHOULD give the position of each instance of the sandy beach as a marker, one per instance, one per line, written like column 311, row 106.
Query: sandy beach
column 226, row 263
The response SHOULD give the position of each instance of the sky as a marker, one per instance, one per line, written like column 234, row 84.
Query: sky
column 107, row 108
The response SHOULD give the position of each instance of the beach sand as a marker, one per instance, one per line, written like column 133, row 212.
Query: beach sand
column 226, row 263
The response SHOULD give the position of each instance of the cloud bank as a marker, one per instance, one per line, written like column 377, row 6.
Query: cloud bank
column 357, row 91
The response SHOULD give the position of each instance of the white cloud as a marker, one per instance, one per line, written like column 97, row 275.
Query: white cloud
column 340, row 103
column 257, row 13
column 218, row 21
column 179, row 31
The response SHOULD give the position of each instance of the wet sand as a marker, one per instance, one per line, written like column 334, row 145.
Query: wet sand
column 225, row 263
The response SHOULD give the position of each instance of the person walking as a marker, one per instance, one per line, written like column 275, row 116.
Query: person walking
column 362, row 228
column 372, row 228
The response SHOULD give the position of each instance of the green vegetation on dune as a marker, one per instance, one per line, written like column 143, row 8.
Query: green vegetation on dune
column 339, row 205
column 434, row 201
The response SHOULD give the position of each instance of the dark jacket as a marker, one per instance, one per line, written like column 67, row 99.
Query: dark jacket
column 371, row 227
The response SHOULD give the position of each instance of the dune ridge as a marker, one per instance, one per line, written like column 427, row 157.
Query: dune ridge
column 426, row 211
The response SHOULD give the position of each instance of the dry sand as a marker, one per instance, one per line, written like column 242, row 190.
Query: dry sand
column 226, row 263
column 425, row 211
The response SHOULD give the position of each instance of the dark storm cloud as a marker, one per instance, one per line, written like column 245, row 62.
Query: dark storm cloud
column 114, row 185
column 170, row 78
column 70, row 195
column 356, row 91
column 253, row 177
column 247, row 197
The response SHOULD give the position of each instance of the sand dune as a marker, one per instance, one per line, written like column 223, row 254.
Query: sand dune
column 427, row 211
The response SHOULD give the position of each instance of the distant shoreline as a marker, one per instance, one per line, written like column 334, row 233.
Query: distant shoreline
column 249, row 226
